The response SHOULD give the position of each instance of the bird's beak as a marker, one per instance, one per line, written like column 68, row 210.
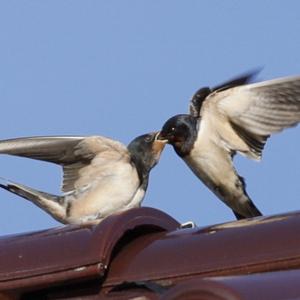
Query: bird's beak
column 159, row 143
column 161, row 137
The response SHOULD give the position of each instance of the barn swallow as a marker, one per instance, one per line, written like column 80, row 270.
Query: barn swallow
column 101, row 176
column 237, row 116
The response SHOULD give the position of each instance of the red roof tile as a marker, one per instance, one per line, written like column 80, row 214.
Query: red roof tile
column 141, row 252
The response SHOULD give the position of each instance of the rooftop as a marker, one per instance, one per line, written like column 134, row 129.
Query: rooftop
column 143, row 254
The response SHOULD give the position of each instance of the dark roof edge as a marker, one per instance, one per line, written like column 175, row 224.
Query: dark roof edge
column 72, row 253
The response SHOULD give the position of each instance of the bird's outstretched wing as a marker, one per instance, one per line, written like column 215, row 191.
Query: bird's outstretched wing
column 264, row 108
column 74, row 154
column 198, row 98
column 254, row 112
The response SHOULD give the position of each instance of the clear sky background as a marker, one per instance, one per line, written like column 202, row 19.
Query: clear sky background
column 120, row 69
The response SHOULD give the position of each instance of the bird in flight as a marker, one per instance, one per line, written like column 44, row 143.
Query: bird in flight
column 101, row 176
column 237, row 116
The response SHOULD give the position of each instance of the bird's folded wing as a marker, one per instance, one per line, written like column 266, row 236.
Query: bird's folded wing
column 108, row 154
column 262, row 108
column 72, row 153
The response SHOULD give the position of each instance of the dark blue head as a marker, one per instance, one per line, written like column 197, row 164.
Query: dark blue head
column 181, row 132
column 145, row 152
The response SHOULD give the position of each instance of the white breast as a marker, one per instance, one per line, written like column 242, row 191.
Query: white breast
column 114, row 188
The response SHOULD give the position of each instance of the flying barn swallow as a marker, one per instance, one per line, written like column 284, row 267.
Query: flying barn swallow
column 233, row 117
column 101, row 176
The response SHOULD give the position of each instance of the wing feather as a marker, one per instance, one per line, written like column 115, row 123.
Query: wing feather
column 263, row 108
column 55, row 149
column 74, row 154
column 255, row 111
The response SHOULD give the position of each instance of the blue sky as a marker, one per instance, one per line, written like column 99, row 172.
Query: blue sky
column 120, row 69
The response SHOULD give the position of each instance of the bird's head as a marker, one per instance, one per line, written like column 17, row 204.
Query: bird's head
column 145, row 151
column 180, row 131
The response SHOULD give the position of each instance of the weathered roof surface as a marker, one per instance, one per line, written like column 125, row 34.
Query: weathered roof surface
column 142, row 252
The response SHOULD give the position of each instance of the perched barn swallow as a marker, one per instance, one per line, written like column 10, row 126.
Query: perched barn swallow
column 100, row 176
column 236, row 116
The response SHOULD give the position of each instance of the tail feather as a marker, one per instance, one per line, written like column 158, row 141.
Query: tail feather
column 52, row 204
column 250, row 211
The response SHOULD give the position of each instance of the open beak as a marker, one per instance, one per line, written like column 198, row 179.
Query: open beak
column 159, row 143
column 160, row 137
